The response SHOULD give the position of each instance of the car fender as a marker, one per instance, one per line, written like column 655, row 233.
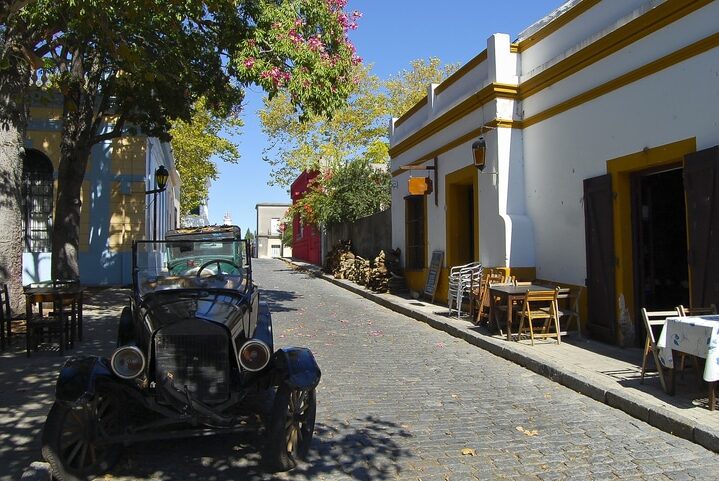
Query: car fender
column 79, row 377
column 297, row 367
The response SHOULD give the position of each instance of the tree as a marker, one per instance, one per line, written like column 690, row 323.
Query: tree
column 286, row 232
column 135, row 66
column 16, row 59
column 408, row 87
column 249, row 236
column 358, row 130
column 194, row 144
column 344, row 194
column 347, row 147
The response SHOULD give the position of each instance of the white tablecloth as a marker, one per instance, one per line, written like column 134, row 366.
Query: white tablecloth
column 695, row 335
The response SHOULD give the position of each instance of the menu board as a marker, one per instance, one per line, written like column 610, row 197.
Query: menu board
column 435, row 266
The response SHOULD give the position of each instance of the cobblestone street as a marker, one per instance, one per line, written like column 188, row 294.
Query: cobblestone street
column 400, row 400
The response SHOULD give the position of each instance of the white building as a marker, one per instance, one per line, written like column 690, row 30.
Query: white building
column 599, row 121
column 269, row 230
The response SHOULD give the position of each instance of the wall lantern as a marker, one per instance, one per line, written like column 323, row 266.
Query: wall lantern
column 479, row 148
column 161, row 176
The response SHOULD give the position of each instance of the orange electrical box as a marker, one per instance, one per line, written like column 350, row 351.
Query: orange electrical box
column 420, row 186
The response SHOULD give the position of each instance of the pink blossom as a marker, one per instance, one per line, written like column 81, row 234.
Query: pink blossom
column 299, row 22
column 356, row 60
column 356, row 14
column 295, row 37
column 315, row 44
column 336, row 4
column 343, row 20
column 249, row 62
column 278, row 76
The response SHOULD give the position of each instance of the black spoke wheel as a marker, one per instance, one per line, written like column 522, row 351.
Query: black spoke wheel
column 72, row 439
column 291, row 427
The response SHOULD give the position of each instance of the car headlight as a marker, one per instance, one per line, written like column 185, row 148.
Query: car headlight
column 127, row 362
column 254, row 355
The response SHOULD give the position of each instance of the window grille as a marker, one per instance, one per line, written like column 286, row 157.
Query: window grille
column 38, row 195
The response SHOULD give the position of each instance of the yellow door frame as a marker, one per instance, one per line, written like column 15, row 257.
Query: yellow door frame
column 621, row 169
column 464, row 176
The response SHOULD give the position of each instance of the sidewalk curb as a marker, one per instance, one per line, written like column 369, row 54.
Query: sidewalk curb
column 607, row 393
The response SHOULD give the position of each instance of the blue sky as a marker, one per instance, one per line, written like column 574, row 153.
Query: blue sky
column 391, row 33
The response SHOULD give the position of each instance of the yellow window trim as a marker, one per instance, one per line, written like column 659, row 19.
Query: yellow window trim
column 621, row 169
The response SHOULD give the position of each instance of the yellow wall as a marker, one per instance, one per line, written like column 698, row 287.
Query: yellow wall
column 127, row 210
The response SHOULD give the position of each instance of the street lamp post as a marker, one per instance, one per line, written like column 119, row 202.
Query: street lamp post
column 161, row 176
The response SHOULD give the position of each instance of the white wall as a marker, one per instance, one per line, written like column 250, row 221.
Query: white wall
column 530, row 208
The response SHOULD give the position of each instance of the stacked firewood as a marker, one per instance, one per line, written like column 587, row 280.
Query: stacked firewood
column 337, row 256
column 378, row 279
column 342, row 263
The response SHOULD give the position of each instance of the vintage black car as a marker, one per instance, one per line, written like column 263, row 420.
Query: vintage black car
column 194, row 349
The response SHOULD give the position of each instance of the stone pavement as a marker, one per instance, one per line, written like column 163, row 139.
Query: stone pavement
column 398, row 400
column 606, row 373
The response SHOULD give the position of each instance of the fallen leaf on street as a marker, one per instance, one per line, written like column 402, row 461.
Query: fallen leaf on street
column 469, row 452
column 533, row 432
column 440, row 344
column 376, row 333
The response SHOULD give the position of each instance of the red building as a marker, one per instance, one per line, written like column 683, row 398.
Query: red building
column 305, row 238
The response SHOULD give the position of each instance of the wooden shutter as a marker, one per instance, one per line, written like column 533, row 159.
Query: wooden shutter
column 701, row 187
column 599, row 232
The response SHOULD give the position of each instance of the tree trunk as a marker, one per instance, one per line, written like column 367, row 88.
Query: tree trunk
column 13, row 124
column 75, row 148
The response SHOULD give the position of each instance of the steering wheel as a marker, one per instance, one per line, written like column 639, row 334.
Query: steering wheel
column 219, row 267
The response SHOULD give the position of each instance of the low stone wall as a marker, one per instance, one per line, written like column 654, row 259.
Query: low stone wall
column 369, row 235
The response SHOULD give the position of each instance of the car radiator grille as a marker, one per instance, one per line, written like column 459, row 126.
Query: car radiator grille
column 193, row 355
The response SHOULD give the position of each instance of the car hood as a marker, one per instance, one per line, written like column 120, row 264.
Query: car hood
column 167, row 308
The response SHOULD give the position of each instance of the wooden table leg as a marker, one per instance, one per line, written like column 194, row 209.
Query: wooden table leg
column 712, row 395
column 28, row 328
column 79, row 317
column 510, row 301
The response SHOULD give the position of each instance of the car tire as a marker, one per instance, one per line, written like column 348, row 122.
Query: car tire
column 125, row 334
column 291, row 427
column 68, row 444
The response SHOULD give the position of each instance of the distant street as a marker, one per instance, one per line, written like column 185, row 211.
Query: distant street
column 400, row 400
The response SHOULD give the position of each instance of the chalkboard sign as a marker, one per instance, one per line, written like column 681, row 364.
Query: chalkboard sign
column 433, row 276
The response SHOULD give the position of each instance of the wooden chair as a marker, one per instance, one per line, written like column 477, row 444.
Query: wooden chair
column 490, row 276
column 697, row 311
column 654, row 320
column 568, row 307
column 497, row 306
column 522, row 283
column 540, row 306
column 43, row 325
column 5, row 317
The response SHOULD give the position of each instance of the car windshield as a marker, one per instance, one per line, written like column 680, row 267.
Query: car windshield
column 189, row 264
